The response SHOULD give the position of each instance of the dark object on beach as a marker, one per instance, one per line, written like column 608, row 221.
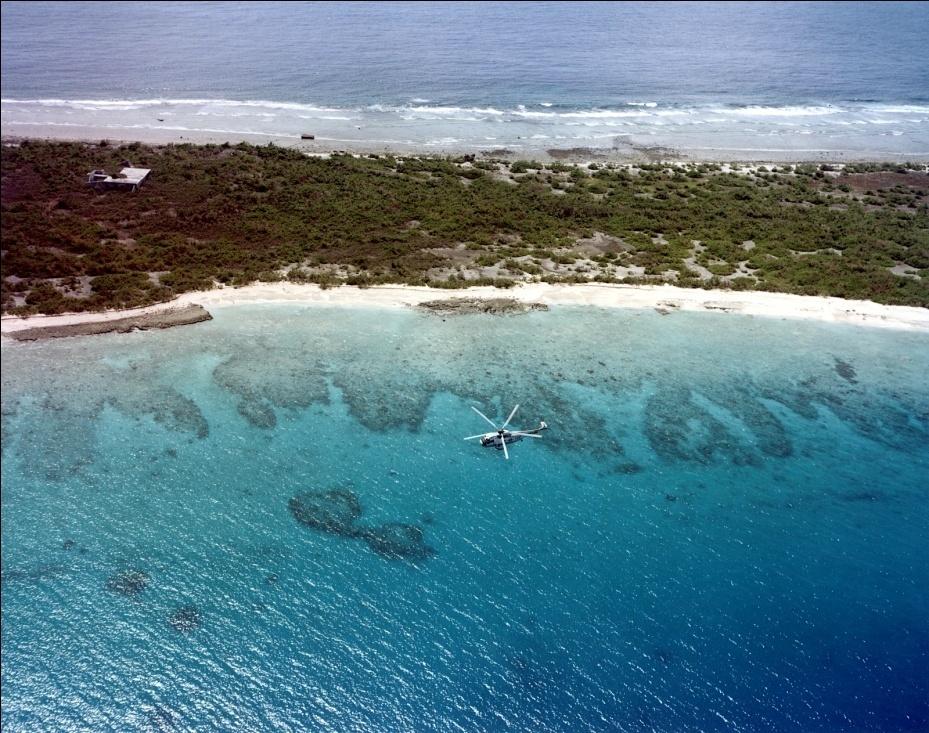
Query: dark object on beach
column 161, row 319
column 333, row 511
column 307, row 136
column 185, row 619
column 496, row 152
column 128, row 582
column 492, row 306
column 584, row 154
column 397, row 541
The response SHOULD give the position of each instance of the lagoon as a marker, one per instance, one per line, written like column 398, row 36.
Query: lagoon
column 724, row 528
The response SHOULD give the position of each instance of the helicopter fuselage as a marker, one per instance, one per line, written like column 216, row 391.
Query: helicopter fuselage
column 496, row 440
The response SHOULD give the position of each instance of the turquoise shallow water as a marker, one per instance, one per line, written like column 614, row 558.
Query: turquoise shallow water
column 723, row 530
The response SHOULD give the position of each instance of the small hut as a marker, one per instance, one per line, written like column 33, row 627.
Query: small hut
column 129, row 179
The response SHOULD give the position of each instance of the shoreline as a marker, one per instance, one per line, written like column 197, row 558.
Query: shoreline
column 644, row 151
column 666, row 299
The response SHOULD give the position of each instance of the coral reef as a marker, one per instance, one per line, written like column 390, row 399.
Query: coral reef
column 682, row 424
column 290, row 381
column 678, row 428
column 768, row 432
column 185, row 619
column 884, row 416
column 401, row 403
column 846, row 371
column 337, row 511
column 166, row 405
column 40, row 573
column 128, row 582
column 397, row 541
column 257, row 413
column 333, row 512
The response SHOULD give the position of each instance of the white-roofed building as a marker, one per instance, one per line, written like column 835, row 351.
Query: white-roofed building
column 128, row 178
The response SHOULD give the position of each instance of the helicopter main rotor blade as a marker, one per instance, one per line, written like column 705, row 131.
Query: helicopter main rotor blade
column 484, row 416
column 472, row 437
column 524, row 435
column 505, row 454
column 510, row 417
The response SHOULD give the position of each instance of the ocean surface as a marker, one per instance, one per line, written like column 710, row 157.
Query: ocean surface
column 271, row 521
column 709, row 79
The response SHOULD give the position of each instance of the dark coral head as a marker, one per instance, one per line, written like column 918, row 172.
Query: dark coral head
column 332, row 511
column 128, row 582
column 185, row 619
column 398, row 541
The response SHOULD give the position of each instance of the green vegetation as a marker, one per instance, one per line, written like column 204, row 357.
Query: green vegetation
column 236, row 214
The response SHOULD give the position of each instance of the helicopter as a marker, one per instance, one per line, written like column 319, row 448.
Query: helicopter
column 501, row 437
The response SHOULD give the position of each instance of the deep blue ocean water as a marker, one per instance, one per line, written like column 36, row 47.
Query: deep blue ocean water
column 744, row 79
column 725, row 528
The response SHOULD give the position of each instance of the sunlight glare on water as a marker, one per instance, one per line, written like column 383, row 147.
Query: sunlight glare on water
column 270, row 521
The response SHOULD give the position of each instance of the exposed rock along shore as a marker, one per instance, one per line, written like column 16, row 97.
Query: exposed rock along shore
column 182, row 316
column 491, row 306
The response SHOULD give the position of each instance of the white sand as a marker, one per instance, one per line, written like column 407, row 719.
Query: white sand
column 666, row 297
column 677, row 148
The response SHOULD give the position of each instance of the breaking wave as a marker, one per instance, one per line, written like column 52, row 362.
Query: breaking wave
column 850, row 126
column 541, row 110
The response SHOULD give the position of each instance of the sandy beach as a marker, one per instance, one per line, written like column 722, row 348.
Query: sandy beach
column 620, row 150
column 666, row 299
